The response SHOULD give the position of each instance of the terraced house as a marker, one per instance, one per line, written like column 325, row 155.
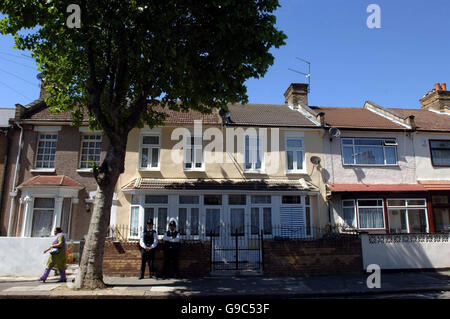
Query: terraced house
column 244, row 171
column 387, row 169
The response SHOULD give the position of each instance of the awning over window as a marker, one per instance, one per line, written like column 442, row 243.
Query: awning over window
column 344, row 188
column 435, row 185
column 51, row 181
column 218, row 184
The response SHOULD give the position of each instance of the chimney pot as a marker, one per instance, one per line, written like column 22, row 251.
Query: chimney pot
column 438, row 87
column 444, row 86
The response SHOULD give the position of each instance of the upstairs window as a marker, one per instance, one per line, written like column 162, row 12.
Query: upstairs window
column 46, row 150
column 91, row 147
column 364, row 151
column 253, row 154
column 193, row 153
column 294, row 154
column 440, row 152
column 150, row 148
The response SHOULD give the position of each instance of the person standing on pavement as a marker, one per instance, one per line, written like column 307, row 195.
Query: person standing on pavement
column 57, row 258
column 148, row 243
column 171, row 250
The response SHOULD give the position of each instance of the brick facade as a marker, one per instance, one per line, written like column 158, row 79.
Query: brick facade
column 66, row 163
column 319, row 257
column 124, row 259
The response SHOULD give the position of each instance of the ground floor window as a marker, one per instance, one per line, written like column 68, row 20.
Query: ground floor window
column 441, row 212
column 349, row 213
column 404, row 215
column 370, row 214
column 407, row 215
column 42, row 219
column 206, row 215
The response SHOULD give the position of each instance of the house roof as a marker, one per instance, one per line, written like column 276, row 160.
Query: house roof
column 217, row 184
column 51, row 181
column 39, row 111
column 267, row 115
column 426, row 120
column 344, row 188
column 355, row 118
column 5, row 115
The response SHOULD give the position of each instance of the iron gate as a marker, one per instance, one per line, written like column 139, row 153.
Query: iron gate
column 236, row 250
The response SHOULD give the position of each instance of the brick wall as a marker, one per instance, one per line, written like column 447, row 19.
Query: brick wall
column 320, row 257
column 124, row 259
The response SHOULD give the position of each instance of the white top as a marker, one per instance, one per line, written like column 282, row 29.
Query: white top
column 155, row 240
column 170, row 238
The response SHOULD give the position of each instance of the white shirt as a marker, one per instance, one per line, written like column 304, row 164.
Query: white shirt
column 155, row 240
column 171, row 239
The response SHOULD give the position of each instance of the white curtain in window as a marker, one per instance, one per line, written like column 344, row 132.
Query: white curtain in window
column 42, row 223
column 371, row 218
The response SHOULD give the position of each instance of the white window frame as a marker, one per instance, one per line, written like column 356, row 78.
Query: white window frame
column 193, row 148
column 150, row 148
column 260, row 207
column 40, row 133
column 382, row 207
column 140, row 203
column 188, row 208
column 261, row 150
column 295, row 170
column 81, row 150
column 355, row 219
column 384, row 145
column 406, row 208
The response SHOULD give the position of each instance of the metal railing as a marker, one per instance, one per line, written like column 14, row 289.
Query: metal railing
column 125, row 233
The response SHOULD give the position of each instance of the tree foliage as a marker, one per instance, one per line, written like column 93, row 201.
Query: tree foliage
column 131, row 56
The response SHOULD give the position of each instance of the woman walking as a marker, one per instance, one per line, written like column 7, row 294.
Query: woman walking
column 57, row 258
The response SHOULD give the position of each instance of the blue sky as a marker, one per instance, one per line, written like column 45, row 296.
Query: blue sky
column 350, row 63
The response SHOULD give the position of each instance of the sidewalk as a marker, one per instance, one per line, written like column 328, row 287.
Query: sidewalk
column 229, row 287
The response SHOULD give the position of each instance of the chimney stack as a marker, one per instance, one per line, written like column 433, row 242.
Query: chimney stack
column 437, row 99
column 297, row 94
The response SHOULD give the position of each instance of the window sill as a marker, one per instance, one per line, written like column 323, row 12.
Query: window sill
column 254, row 172
column 155, row 169
column 42, row 170
column 296, row 172
column 85, row 170
column 371, row 165
column 194, row 169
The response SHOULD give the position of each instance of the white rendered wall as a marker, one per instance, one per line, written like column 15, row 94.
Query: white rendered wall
column 337, row 173
column 23, row 256
column 425, row 170
column 406, row 251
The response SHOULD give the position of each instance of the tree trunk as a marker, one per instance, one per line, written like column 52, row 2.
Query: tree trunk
column 90, row 274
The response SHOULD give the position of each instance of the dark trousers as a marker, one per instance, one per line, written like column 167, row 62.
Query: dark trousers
column 170, row 267
column 147, row 257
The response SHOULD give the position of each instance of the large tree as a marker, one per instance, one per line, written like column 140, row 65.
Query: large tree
column 128, row 57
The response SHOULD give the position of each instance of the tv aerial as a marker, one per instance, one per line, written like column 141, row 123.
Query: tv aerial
column 307, row 75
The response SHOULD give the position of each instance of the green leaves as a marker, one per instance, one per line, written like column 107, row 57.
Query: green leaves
column 187, row 54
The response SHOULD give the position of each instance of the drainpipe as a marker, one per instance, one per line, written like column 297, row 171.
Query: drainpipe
column 4, row 167
column 13, row 193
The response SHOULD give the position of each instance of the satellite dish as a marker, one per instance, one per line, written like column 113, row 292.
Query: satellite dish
column 334, row 132
column 39, row 76
column 224, row 113
column 315, row 160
